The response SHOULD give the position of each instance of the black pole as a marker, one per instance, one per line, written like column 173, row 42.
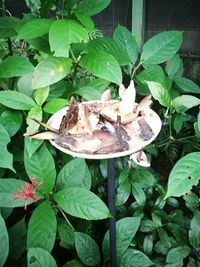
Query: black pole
column 112, row 208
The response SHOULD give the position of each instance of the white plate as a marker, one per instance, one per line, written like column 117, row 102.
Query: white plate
column 152, row 119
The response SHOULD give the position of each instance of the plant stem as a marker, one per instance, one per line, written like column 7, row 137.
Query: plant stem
column 65, row 217
column 134, row 70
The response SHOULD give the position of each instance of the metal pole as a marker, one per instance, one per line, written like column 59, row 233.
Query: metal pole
column 112, row 208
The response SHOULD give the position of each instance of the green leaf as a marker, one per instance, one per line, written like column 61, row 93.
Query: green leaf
column 123, row 193
column 7, row 187
column 81, row 203
column 58, row 89
column 55, row 104
column 74, row 263
column 177, row 254
column 73, row 174
column 4, row 242
column 34, row 28
column 50, row 70
column 98, row 84
column 90, row 8
column 87, row 249
column 88, row 93
column 126, row 229
column 15, row 66
column 5, row 156
column 161, row 47
column 125, row 38
column 173, row 65
column 109, row 46
column 148, row 244
column 194, row 232
column 41, row 166
column 63, row 33
column 103, row 65
column 41, row 95
column 17, row 239
column 85, row 20
column 16, row 100
column 184, row 102
column 24, row 84
column 187, row 85
column 184, row 175
column 34, row 113
column 9, row 26
column 11, row 120
column 191, row 201
column 198, row 120
column 42, row 227
column 159, row 93
column 138, row 194
column 40, row 43
column 32, row 145
column 176, row 264
column 38, row 257
column 66, row 234
column 135, row 258
column 143, row 178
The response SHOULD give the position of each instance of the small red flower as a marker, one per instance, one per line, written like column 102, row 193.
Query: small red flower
column 27, row 191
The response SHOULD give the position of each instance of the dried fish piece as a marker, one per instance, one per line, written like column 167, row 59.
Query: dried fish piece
column 140, row 159
column 146, row 132
column 106, row 96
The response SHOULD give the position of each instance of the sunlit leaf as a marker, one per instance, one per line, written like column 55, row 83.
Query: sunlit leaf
column 184, row 102
column 159, row 93
column 55, row 104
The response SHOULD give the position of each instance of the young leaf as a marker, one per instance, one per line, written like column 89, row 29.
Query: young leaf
column 11, row 120
column 42, row 227
column 88, row 93
column 50, row 70
column 126, row 229
column 15, row 66
column 187, row 85
column 34, row 113
column 125, row 38
column 123, row 193
column 41, row 166
column 73, row 174
column 173, row 65
column 103, row 65
column 91, row 8
column 159, row 93
column 143, row 178
column 24, row 84
column 184, row 102
column 16, row 100
column 4, row 242
column 194, row 232
column 55, row 104
column 138, row 194
column 41, row 95
column 5, row 156
column 148, row 244
column 32, row 145
column 184, row 175
column 34, row 28
column 7, row 187
column 63, row 33
column 177, row 254
column 81, row 203
column 87, row 249
column 38, row 257
column 161, row 47
column 134, row 258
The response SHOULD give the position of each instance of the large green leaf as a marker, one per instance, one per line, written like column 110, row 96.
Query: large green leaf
column 187, row 85
column 194, row 232
column 159, row 93
column 123, row 193
column 87, row 249
column 184, row 175
column 91, row 7
column 34, row 28
column 126, row 229
column 4, row 242
column 55, row 104
column 184, row 102
column 63, row 33
column 32, row 145
column 81, row 203
column 126, row 39
column 74, row 174
column 5, row 156
column 16, row 100
column 42, row 227
column 38, row 257
column 135, row 258
column 103, row 65
column 109, row 46
column 11, row 120
column 14, row 66
column 9, row 26
column 7, row 187
column 50, row 70
column 161, row 47
column 173, row 66
column 88, row 93
column 41, row 166
column 177, row 254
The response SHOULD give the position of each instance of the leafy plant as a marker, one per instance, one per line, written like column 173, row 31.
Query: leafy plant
column 47, row 56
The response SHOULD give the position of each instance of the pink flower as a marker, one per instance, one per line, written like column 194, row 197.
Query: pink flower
column 28, row 192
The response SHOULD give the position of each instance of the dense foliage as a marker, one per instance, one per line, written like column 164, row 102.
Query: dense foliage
column 54, row 52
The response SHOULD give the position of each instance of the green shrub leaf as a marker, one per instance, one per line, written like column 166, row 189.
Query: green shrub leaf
column 194, row 232
column 4, row 243
column 50, row 70
column 184, row 175
column 91, row 8
column 55, row 104
column 42, row 227
column 16, row 100
column 11, row 120
column 9, row 26
column 177, row 254
column 81, row 203
column 161, row 47
column 123, row 193
column 15, row 66
column 66, row 234
column 38, row 257
column 134, row 258
column 173, row 66
column 159, row 93
column 103, row 65
column 87, row 249
column 89, row 93
column 85, row 20
column 184, row 102
column 32, row 145
column 187, row 85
